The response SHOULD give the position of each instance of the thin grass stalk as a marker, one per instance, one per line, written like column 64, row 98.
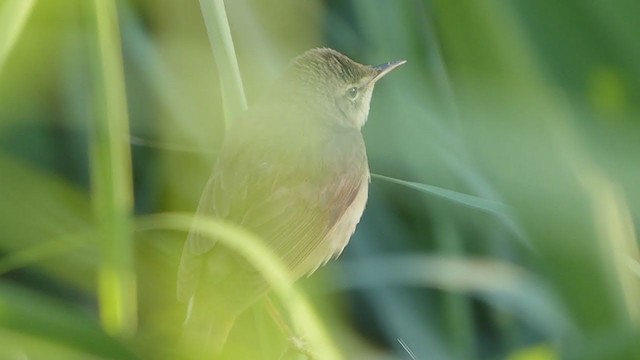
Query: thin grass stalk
column 13, row 17
column 215, row 19
column 266, row 262
column 43, row 251
column 490, row 206
column 613, row 222
column 112, row 189
column 234, row 101
column 457, row 313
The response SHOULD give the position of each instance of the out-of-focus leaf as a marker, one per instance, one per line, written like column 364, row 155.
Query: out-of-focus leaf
column 13, row 17
column 539, row 352
column 499, row 283
column 112, row 178
column 27, row 312
column 39, row 208
column 263, row 260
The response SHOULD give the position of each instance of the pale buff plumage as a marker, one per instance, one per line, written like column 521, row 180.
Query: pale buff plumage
column 293, row 169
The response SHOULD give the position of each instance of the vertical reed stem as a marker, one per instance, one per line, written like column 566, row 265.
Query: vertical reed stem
column 215, row 19
column 112, row 188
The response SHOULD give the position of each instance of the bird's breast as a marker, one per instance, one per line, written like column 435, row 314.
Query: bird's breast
column 347, row 186
column 339, row 236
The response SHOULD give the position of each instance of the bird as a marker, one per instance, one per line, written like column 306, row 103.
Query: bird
column 292, row 169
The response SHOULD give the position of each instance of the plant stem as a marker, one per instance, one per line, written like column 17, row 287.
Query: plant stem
column 13, row 17
column 112, row 188
column 215, row 19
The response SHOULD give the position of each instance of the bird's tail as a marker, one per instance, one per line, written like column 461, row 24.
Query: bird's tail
column 206, row 327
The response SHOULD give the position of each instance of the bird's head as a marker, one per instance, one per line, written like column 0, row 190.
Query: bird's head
column 335, row 85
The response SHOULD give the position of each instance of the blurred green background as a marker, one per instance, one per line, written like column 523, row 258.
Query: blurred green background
column 514, row 124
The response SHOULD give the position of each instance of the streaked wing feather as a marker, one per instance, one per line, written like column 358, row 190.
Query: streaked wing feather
column 299, row 234
column 291, row 208
column 191, row 261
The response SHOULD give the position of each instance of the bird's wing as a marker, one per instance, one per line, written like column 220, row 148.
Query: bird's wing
column 192, row 261
column 292, row 208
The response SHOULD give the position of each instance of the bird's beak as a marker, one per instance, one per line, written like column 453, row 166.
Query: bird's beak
column 386, row 68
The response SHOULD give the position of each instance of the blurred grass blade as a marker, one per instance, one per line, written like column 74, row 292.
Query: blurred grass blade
column 28, row 312
column 537, row 352
column 502, row 211
column 500, row 283
column 43, row 211
column 13, row 17
column 163, row 145
column 460, row 198
column 614, row 224
column 457, row 312
column 42, row 251
column 265, row 261
column 111, row 178
column 215, row 19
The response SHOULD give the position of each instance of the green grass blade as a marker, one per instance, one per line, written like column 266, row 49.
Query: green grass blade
column 38, row 253
column 460, row 198
column 215, row 18
column 112, row 188
column 265, row 261
column 13, row 17
column 502, row 211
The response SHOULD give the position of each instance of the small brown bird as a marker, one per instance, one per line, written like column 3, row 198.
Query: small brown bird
column 292, row 169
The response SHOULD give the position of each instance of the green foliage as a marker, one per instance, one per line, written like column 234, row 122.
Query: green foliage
column 13, row 16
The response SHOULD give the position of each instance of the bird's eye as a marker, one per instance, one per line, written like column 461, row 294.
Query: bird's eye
column 352, row 93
